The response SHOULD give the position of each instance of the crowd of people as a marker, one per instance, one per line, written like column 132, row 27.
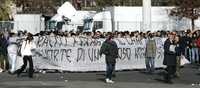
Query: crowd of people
column 178, row 43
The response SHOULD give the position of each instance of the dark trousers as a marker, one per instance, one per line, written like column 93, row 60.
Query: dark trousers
column 4, row 63
column 7, row 64
column 170, row 71
column 109, row 70
column 25, row 60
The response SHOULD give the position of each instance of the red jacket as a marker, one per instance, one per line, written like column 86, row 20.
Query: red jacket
column 198, row 42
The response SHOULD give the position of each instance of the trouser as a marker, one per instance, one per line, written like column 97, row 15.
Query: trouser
column 109, row 70
column 170, row 72
column 199, row 56
column 188, row 53
column 195, row 55
column 4, row 64
column 25, row 60
column 178, row 59
column 192, row 54
column 12, row 61
column 114, row 73
column 7, row 66
column 150, row 64
column 2, row 61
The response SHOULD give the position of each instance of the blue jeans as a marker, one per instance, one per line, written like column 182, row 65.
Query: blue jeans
column 190, row 55
column 12, row 61
column 150, row 64
column 195, row 55
column 109, row 70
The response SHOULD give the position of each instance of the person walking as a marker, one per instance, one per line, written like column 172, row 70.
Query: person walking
column 169, row 58
column 26, row 51
column 110, row 49
column 150, row 54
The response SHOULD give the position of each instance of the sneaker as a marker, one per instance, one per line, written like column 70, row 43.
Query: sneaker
column 109, row 81
column 1, row 70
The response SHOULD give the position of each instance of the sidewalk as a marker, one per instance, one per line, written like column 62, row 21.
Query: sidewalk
column 84, row 84
column 190, row 78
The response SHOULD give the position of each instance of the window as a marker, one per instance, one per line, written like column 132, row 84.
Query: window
column 160, row 2
column 98, row 25
column 130, row 2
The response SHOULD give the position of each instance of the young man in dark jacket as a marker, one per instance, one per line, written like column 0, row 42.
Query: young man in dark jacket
column 169, row 58
column 110, row 49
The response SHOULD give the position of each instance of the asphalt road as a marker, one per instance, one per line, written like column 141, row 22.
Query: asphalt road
column 190, row 78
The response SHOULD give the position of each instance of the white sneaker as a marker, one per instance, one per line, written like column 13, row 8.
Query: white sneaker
column 1, row 70
column 109, row 81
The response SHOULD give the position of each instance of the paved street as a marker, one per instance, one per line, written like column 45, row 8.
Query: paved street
column 190, row 78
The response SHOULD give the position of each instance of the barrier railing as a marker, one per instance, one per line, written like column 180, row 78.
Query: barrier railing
column 118, row 26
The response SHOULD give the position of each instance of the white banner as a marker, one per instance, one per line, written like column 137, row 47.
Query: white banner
column 82, row 54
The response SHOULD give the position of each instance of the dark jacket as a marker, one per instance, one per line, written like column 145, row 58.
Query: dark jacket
column 3, row 46
column 182, row 44
column 178, row 50
column 169, row 56
column 185, row 41
column 110, row 49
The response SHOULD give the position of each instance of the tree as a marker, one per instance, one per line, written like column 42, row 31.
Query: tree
column 106, row 3
column 5, row 10
column 47, row 7
column 188, row 9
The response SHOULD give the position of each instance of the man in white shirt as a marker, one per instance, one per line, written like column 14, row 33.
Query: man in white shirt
column 26, row 50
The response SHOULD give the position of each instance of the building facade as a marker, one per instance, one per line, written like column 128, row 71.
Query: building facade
column 50, row 6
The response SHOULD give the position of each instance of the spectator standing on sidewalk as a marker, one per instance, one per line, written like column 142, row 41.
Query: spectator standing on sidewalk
column 169, row 58
column 150, row 54
column 178, row 57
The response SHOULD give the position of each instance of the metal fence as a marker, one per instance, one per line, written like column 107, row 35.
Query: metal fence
column 16, row 26
column 119, row 26
column 6, row 25
column 155, row 26
column 37, row 26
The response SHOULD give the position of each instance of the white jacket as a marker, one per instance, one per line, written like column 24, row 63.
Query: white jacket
column 12, row 47
column 27, row 47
